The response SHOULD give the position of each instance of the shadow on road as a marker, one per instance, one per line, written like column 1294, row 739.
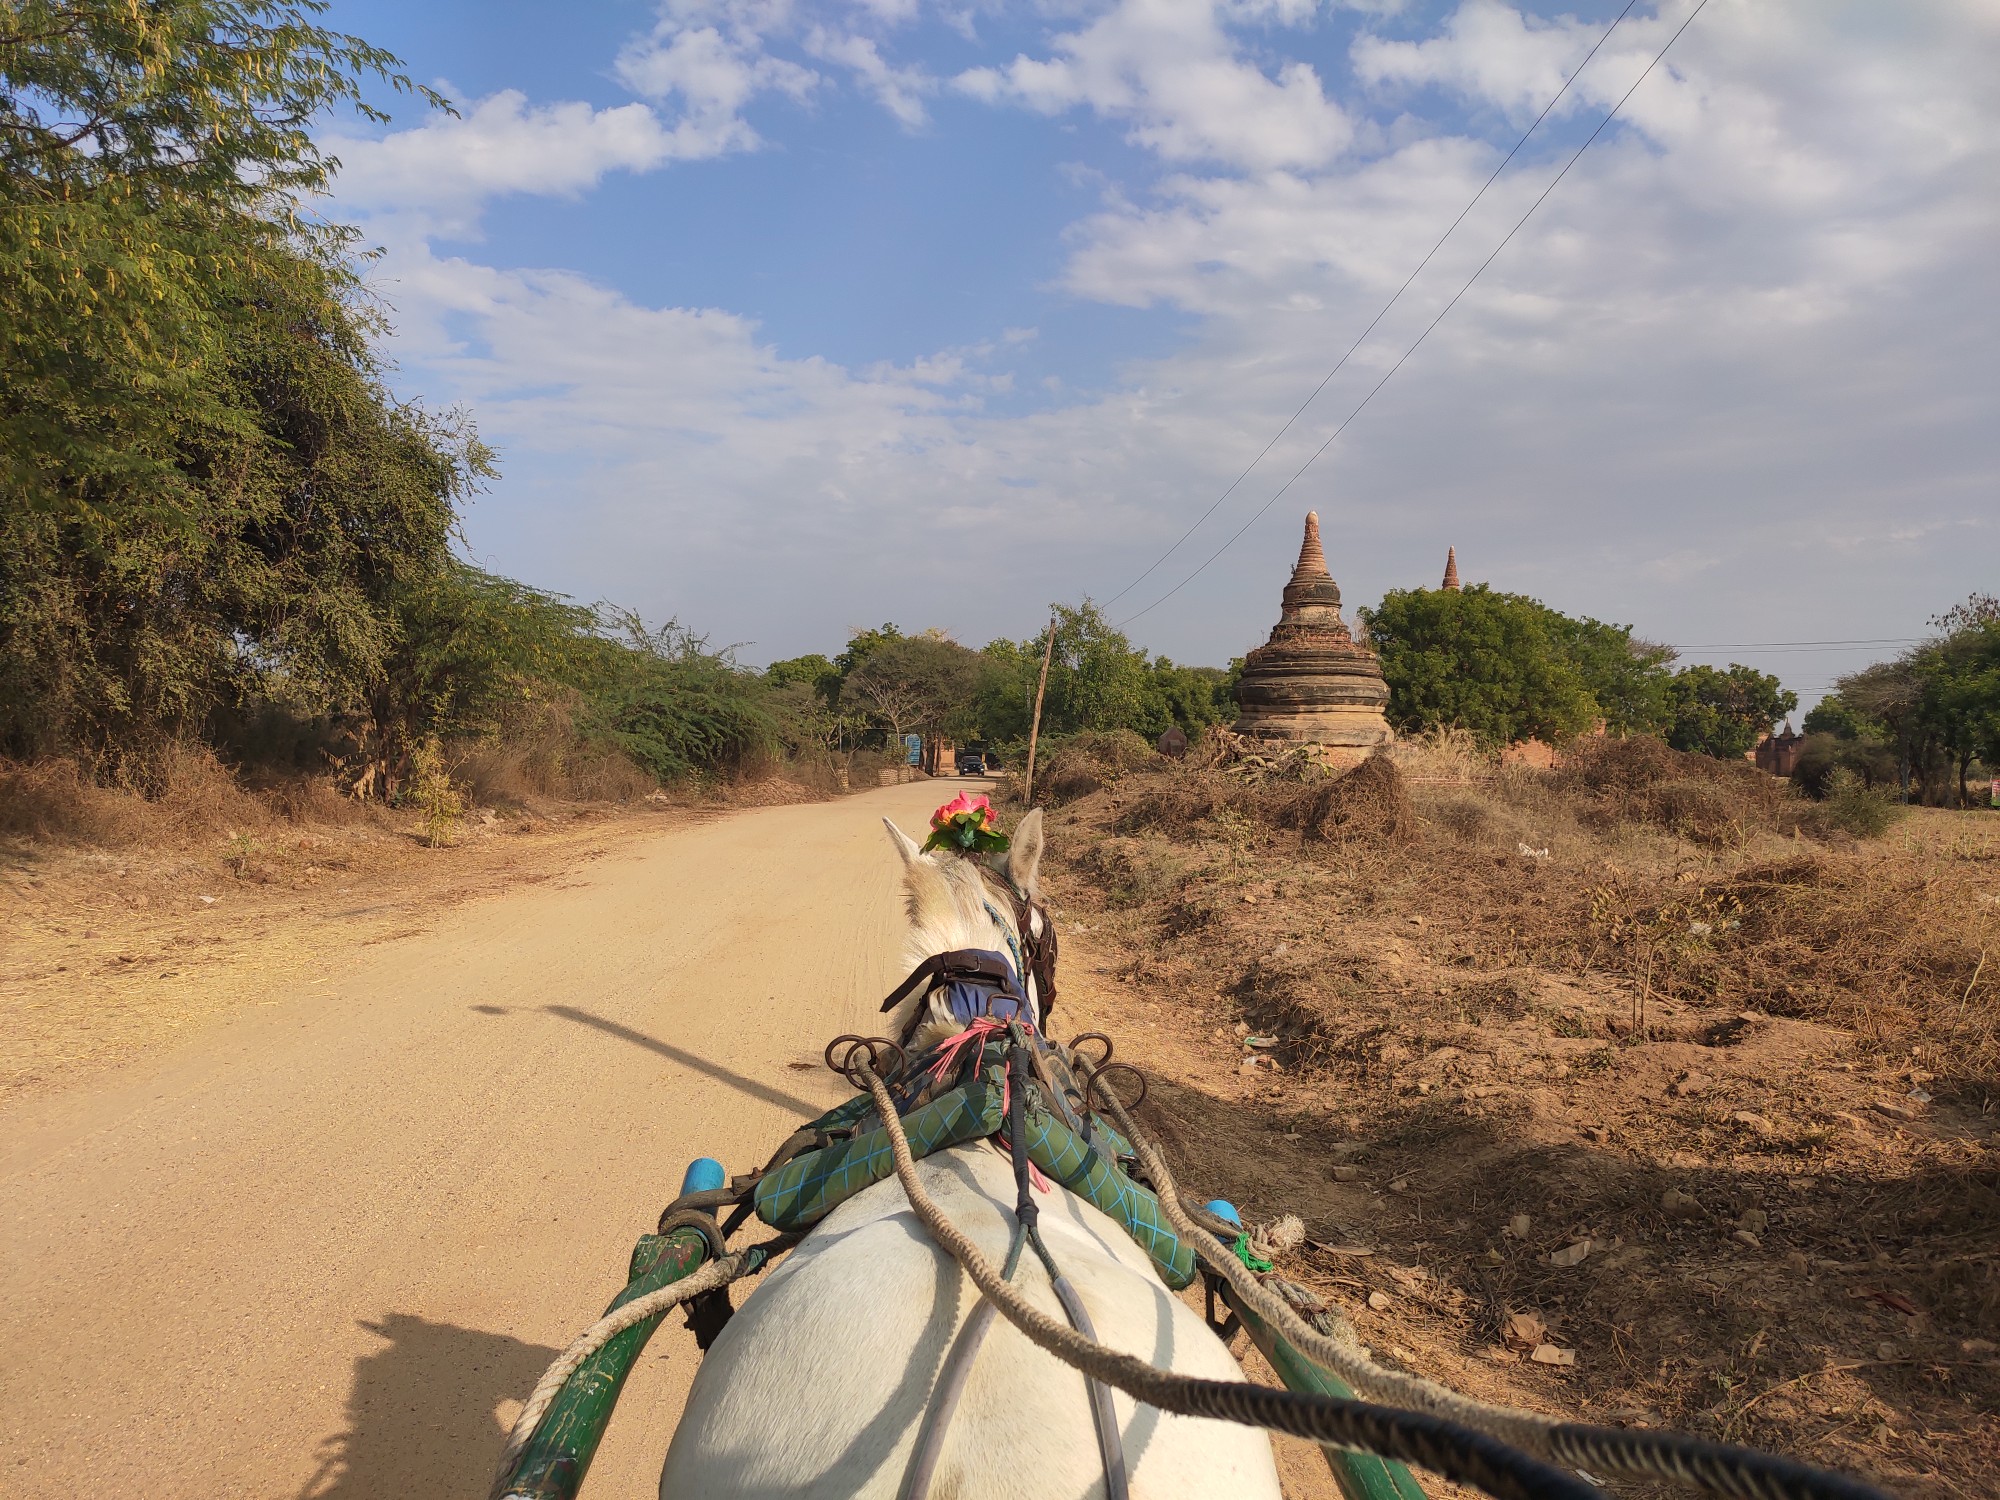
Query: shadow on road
column 694, row 1060
column 421, row 1417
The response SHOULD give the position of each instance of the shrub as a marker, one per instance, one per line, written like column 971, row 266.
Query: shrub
column 430, row 790
column 1852, row 806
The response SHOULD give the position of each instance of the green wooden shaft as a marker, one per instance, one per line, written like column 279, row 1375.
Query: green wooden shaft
column 1361, row 1476
column 558, row 1456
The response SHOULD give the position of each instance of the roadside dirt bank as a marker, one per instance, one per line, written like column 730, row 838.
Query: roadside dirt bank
column 1728, row 1217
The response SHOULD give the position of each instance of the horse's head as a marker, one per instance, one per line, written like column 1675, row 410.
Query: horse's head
column 991, row 901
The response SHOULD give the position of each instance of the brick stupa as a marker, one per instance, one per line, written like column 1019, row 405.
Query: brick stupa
column 1311, row 683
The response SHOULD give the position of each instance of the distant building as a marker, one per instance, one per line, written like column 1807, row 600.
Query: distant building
column 1311, row 682
column 1779, row 753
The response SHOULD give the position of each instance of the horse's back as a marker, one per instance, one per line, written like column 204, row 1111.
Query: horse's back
column 818, row 1385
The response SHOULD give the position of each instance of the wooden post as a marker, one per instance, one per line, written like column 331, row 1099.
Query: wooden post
column 1035, row 725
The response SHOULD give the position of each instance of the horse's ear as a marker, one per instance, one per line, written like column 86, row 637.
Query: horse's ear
column 1024, row 855
column 905, row 845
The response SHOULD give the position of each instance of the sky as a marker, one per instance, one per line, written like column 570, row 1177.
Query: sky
column 792, row 317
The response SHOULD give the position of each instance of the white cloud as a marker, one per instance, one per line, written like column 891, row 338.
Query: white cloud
column 1172, row 70
column 1488, row 51
column 901, row 91
column 1753, row 326
column 710, row 73
column 446, row 169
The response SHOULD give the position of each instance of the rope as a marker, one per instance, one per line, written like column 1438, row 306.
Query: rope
column 1741, row 1473
column 717, row 1273
column 1456, row 1452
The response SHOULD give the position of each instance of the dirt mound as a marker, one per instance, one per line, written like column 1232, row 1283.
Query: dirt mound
column 1367, row 804
column 1715, row 804
column 1091, row 761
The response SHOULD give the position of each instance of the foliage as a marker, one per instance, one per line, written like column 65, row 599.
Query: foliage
column 1724, row 713
column 813, row 671
column 1852, row 805
column 1936, row 708
column 679, row 709
column 473, row 646
column 916, row 684
column 431, row 792
column 1502, row 666
column 209, row 489
column 1959, row 704
column 1188, row 697
column 1834, row 715
column 1098, row 681
column 861, row 644
column 1870, row 761
column 152, row 159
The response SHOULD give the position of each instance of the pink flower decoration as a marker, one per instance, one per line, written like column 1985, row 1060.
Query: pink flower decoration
column 964, row 804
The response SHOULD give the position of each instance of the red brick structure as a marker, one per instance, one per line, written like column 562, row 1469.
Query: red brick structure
column 1311, row 681
column 1779, row 753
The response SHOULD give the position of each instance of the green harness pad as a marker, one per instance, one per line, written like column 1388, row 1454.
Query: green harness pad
column 1085, row 1171
column 809, row 1187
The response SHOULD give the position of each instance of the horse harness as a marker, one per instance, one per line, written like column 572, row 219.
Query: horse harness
column 982, row 983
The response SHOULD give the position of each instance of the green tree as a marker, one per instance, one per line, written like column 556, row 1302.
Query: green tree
column 1958, row 705
column 861, row 644
column 151, row 155
column 1190, row 697
column 680, row 709
column 1725, row 713
column 917, row 685
column 1629, row 680
column 1834, row 715
column 1502, row 666
column 812, row 670
column 1097, row 679
column 208, row 486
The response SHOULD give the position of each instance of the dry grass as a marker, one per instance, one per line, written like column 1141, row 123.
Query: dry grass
column 194, row 799
column 1561, row 996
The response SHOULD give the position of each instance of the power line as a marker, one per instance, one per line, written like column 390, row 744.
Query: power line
column 1779, row 650
column 1234, row 536
column 1883, row 640
column 1289, row 421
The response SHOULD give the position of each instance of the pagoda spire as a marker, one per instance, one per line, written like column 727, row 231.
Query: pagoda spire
column 1451, row 569
column 1312, row 557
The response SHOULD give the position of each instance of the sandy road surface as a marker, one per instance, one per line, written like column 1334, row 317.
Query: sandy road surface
column 323, row 1249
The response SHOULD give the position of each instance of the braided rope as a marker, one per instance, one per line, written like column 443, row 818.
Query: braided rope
column 1720, row 1469
column 1446, row 1448
column 715, row 1274
column 1338, row 1350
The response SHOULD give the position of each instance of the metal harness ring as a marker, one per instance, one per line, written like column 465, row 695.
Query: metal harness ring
column 1091, row 1036
column 874, row 1049
column 1100, row 1074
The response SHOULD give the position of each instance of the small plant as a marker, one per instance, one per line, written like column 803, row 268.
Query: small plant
column 431, row 792
column 1854, row 807
column 242, row 849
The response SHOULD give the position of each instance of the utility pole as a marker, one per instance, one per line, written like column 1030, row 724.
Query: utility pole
column 1035, row 725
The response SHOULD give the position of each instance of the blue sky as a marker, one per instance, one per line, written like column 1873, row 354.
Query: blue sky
column 792, row 317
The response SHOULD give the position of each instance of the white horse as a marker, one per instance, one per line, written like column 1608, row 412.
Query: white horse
column 818, row 1385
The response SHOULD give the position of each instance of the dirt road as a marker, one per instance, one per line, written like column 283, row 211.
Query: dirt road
column 325, row 1247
